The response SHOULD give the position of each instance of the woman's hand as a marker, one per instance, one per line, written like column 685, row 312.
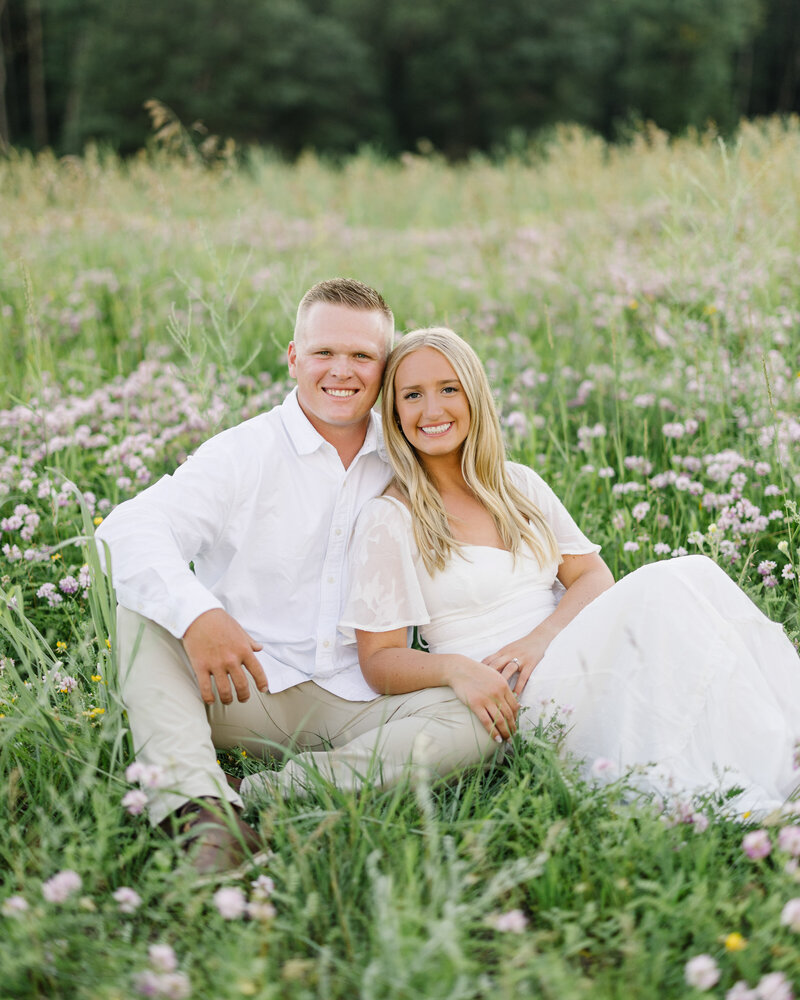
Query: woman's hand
column 585, row 577
column 520, row 657
column 487, row 694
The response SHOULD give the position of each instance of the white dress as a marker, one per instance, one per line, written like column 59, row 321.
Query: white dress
column 673, row 671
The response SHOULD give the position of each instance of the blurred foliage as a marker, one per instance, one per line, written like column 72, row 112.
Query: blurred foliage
column 334, row 75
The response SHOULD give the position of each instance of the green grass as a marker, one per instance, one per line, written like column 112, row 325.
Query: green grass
column 612, row 292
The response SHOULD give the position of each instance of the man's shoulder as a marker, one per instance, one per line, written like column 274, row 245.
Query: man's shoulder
column 263, row 427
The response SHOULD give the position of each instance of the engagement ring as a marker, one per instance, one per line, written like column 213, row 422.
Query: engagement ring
column 515, row 660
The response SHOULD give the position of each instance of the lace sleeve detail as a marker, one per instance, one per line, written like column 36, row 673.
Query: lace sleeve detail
column 571, row 540
column 384, row 591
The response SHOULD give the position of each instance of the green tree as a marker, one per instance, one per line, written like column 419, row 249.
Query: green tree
column 267, row 71
column 676, row 61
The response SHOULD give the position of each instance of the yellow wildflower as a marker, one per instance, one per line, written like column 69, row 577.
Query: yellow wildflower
column 97, row 521
column 97, row 677
column 61, row 645
column 735, row 942
column 56, row 556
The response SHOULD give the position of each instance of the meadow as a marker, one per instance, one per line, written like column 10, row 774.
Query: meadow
column 638, row 309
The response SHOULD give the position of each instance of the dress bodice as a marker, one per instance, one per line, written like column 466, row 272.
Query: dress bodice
column 483, row 598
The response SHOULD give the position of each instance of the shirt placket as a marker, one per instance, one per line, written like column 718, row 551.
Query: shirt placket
column 331, row 582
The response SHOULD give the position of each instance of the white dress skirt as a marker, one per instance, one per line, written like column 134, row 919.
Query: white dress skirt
column 673, row 672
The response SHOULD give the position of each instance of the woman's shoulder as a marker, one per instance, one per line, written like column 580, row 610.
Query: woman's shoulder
column 525, row 479
column 388, row 510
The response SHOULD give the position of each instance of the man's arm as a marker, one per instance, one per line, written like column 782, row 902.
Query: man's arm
column 153, row 538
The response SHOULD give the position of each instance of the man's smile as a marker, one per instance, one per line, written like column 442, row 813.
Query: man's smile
column 340, row 393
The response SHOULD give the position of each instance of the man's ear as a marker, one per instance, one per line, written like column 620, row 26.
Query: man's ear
column 291, row 357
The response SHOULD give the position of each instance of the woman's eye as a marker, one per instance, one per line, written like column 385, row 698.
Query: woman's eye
column 411, row 395
column 450, row 389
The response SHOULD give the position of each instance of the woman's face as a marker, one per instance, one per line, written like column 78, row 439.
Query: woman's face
column 431, row 403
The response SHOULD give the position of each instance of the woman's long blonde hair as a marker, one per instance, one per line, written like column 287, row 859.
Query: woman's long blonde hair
column 518, row 520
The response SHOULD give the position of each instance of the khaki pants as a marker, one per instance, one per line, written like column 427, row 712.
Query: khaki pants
column 347, row 742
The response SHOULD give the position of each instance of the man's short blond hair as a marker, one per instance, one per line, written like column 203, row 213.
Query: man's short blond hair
column 345, row 292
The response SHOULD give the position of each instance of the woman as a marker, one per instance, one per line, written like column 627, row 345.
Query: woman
column 673, row 666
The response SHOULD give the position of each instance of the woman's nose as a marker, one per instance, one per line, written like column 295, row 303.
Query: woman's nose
column 432, row 406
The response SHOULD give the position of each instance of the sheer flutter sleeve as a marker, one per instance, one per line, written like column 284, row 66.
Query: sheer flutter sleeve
column 384, row 592
column 571, row 540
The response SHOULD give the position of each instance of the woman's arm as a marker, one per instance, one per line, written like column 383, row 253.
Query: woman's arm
column 390, row 667
column 585, row 577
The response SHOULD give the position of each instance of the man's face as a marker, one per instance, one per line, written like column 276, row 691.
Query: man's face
column 338, row 363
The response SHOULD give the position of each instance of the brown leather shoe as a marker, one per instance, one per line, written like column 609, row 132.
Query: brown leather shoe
column 235, row 783
column 218, row 843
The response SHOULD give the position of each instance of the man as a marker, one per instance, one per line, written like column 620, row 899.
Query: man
column 245, row 650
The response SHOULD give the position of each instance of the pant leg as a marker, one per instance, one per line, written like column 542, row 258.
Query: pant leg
column 382, row 741
column 347, row 742
column 168, row 718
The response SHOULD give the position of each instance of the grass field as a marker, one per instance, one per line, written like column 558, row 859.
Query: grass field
column 638, row 309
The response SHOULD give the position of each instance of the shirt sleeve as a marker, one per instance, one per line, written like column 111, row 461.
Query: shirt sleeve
column 153, row 537
column 569, row 537
column 384, row 591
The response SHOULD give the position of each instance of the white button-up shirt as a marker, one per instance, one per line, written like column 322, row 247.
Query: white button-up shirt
column 264, row 511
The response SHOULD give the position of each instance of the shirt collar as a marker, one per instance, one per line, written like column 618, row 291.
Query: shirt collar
column 307, row 439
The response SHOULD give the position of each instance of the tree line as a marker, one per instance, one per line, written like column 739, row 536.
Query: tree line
column 455, row 75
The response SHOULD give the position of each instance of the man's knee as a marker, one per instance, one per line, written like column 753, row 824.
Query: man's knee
column 454, row 737
column 146, row 653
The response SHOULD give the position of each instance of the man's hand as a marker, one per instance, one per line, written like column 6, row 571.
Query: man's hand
column 488, row 695
column 218, row 647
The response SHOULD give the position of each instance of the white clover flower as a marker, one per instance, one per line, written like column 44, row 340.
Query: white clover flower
column 790, row 915
column 603, row 768
column 774, row 986
column 230, row 902
column 260, row 909
column 702, row 972
column 740, row 991
column 263, row 887
column 513, row 921
column 61, row 886
column 127, row 899
column 134, row 801
column 162, row 957
column 14, row 906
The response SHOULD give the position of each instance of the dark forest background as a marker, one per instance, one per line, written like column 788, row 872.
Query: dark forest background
column 455, row 75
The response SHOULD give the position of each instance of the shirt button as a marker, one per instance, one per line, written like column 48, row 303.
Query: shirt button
column 326, row 643
column 338, row 531
column 330, row 579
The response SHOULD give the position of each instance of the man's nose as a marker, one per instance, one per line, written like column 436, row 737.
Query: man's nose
column 341, row 366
